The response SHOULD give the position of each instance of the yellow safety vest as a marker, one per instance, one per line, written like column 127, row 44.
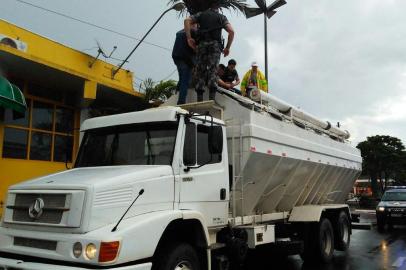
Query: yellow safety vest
column 261, row 81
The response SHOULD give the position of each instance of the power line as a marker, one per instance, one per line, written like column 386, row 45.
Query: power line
column 170, row 75
column 91, row 24
column 139, row 79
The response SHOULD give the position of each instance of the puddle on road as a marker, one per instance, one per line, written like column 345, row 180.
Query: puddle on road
column 385, row 244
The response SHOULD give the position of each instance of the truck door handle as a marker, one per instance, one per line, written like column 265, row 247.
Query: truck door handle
column 223, row 194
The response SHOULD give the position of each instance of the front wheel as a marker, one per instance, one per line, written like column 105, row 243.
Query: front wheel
column 181, row 256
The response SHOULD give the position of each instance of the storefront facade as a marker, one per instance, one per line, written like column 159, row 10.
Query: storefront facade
column 60, row 86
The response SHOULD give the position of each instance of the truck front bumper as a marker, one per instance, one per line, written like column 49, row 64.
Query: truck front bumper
column 6, row 264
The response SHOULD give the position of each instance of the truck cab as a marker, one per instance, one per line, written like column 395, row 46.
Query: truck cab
column 179, row 161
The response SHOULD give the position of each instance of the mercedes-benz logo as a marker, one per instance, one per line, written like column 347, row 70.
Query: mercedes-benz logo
column 36, row 209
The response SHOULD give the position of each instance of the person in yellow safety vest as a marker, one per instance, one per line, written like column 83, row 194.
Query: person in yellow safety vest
column 254, row 78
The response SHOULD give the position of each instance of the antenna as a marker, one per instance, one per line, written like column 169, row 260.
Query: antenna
column 139, row 194
column 101, row 51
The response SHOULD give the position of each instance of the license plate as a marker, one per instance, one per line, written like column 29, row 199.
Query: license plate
column 396, row 215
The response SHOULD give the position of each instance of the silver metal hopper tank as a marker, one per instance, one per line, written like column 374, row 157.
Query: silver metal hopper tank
column 280, row 162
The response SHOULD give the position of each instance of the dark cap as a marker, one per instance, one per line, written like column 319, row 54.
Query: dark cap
column 232, row 62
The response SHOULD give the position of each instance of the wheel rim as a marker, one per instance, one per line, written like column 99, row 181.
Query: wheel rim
column 327, row 241
column 345, row 231
column 184, row 265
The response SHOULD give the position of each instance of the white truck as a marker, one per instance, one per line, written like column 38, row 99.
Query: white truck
column 188, row 188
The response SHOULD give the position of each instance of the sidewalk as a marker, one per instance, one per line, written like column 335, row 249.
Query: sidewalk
column 367, row 211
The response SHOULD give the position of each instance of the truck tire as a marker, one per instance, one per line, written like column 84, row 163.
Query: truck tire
column 319, row 242
column 342, row 232
column 177, row 256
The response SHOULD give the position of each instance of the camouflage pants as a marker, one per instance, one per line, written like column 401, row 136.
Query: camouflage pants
column 205, row 72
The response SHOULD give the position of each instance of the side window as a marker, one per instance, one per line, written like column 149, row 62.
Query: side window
column 189, row 149
column 197, row 145
column 204, row 155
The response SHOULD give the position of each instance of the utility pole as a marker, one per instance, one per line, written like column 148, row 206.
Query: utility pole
column 266, row 45
column 268, row 12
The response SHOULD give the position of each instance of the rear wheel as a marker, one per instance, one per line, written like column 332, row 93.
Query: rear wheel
column 180, row 256
column 342, row 232
column 319, row 242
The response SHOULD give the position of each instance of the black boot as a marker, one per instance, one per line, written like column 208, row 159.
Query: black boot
column 212, row 95
column 199, row 97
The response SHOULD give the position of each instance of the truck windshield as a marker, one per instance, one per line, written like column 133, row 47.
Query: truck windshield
column 394, row 196
column 136, row 144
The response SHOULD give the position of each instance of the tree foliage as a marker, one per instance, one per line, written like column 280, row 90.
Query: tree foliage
column 158, row 91
column 194, row 6
column 384, row 157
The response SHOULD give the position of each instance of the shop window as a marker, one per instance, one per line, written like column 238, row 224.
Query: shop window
column 42, row 114
column 15, row 143
column 9, row 118
column 45, row 133
column 40, row 146
column 64, row 120
column 63, row 148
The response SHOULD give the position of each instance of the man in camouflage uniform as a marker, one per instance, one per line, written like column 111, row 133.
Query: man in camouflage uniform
column 209, row 47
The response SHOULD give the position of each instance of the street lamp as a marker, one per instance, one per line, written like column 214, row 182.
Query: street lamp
column 268, row 12
column 178, row 7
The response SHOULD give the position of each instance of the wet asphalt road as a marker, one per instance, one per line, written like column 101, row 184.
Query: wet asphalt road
column 369, row 250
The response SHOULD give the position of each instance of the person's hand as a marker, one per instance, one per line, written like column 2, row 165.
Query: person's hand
column 192, row 43
column 229, row 86
column 226, row 52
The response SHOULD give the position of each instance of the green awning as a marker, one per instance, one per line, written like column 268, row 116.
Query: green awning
column 11, row 96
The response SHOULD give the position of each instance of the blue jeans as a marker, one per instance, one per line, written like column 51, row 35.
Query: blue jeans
column 185, row 75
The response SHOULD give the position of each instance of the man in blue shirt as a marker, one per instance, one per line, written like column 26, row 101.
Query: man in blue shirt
column 184, row 57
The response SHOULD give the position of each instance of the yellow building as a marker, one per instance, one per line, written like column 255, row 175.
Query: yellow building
column 62, row 88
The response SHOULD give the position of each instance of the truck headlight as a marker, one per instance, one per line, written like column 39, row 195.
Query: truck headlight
column 91, row 251
column 381, row 208
column 77, row 249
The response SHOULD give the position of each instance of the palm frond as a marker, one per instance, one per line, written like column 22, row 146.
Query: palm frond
column 194, row 6
column 158, row 91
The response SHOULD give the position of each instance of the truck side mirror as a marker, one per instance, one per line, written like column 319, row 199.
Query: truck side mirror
column 216, row 140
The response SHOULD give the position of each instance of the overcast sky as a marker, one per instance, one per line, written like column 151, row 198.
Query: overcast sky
column 342, row 60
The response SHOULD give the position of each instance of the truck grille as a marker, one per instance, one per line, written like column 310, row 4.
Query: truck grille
column 35, row 243
column 52, row 213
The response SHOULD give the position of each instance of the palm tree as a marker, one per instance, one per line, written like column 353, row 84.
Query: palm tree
column 158, row 92
column 194, row 6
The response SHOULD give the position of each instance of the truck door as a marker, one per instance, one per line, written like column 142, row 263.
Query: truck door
column 204, row 177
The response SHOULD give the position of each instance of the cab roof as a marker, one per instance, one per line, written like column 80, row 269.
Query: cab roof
column 160, row 114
